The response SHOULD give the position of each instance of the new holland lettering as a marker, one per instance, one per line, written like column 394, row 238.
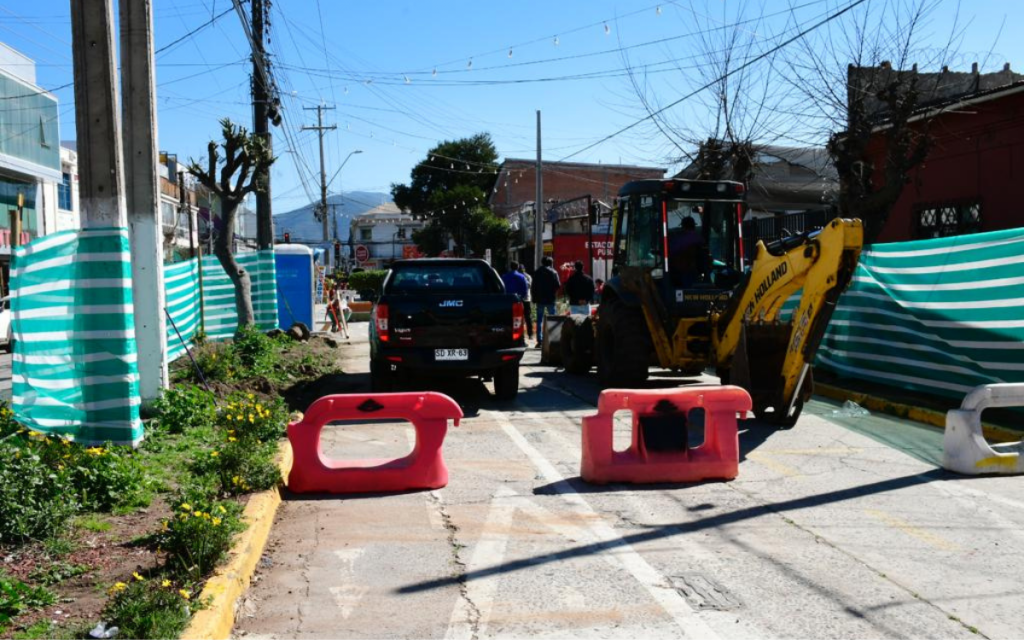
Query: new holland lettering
column 766, row 284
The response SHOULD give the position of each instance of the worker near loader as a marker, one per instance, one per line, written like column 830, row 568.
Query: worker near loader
column 544, row 290
column 579, row 289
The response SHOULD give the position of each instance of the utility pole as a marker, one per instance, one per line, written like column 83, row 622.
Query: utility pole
column 320, row 128
column 97, row 119
column 538, row 222
column 142, row 191
column 261, row 104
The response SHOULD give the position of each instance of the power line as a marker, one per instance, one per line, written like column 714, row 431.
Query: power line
column 776, row 48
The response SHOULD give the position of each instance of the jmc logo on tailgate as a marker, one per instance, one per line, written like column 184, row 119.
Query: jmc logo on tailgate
column 450, row 303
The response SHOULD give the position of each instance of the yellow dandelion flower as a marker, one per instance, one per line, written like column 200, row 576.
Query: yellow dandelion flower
column 185, row 594
column 183, row 517
column 235, row 480
column 250, row 396
column 165, row 583
column 259, row 407
column 94, row 451
column 216, row 522
column 135, row 574
column 118, row 586
column 251, row 420
column 206, row 515
column 198, row 514
column 232, row 439
column 186, row 506
column 214, row 454
column 222, row 509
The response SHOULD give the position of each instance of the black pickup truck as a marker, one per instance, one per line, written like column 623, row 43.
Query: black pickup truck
column 443, row 316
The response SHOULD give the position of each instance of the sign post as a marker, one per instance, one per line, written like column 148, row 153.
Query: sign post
column 362, row 253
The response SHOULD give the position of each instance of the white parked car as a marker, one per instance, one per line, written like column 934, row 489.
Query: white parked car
column 5, row 323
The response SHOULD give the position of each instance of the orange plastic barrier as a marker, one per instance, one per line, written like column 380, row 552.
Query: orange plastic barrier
column 424, row 468
column 716, row 458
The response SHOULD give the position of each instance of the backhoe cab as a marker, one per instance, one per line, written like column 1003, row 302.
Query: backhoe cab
column 684, row 296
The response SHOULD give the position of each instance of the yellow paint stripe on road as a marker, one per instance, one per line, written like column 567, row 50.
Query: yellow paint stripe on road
column 834, row 451
column 927, row 537
column 765, row 460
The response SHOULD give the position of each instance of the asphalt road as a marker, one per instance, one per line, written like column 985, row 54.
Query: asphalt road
column 840, row 527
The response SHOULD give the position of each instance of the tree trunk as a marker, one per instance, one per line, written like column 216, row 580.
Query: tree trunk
column 239, row 276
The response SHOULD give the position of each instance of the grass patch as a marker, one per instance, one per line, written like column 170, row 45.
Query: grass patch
column 57, row 572
column 93, row 522
column 148, row 608
column 16, row 597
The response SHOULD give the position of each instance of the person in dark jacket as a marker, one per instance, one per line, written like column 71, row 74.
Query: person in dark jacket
column 579, row 289
column 544, row 290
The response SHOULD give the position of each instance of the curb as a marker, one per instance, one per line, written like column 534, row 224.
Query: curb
column 230, row 581
column 930, row 417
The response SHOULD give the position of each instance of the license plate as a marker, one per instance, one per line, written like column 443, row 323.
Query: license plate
column 451, row 354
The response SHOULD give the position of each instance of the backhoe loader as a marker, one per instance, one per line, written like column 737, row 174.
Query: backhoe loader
column 683, row 296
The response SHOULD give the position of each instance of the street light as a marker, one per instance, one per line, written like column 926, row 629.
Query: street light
column 351, row 153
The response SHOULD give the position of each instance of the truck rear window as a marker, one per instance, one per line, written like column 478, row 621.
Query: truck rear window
column 428, row 278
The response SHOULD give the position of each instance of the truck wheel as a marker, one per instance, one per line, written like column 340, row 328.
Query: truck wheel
column 506, row 382
column 578, row 344
column 382, row 380
column 623, row 345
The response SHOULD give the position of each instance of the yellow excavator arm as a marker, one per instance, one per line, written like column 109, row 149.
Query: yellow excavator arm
column 752, row 347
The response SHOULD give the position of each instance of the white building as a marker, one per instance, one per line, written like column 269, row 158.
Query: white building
column 30, row 159
column 382, row 234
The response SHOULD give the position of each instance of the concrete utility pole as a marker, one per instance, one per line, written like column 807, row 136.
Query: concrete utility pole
column 261, row 124
column 143, row 194
column 97, row 119
column 320, row 128
column 538, row 222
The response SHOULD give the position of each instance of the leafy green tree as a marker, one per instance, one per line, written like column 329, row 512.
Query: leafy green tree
column 449, row 188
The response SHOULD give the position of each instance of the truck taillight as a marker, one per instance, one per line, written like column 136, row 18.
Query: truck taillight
column 381, row 319
column 518, row 321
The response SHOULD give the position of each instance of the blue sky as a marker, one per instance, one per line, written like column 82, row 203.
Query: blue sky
column 496, row 63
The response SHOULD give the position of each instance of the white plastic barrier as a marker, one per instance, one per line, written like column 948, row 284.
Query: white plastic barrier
column 965, row 449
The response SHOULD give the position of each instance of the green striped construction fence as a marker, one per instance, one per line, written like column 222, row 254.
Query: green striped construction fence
column 938, row 316
column 219, row 319
column 75, row 364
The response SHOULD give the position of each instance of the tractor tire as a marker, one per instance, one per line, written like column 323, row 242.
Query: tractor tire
column 623, row 345
column 578, row 344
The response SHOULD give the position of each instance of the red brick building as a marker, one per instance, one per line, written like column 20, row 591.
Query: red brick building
column 969, row 181
column 515, row 191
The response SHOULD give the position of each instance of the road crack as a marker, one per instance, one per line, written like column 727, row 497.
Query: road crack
column 456, row 547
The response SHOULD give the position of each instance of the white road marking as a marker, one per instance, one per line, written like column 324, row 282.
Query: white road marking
column 600, row 532
column 489, row 552
column 348, row 595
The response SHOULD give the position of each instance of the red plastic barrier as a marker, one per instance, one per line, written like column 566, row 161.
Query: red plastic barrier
column 716, row 458
column 424, row 468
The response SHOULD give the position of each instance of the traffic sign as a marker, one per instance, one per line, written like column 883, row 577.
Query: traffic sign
column 362, row 253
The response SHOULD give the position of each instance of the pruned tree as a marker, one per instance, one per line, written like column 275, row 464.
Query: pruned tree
column 857, row 85
column 231, row 177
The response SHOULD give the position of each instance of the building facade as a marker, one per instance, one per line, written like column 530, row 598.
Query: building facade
column 966, row 184
column 30, row 157
column 380, row 236
column 515, row 192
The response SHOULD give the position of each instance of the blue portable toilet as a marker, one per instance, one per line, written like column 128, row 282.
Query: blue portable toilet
column 295, row 284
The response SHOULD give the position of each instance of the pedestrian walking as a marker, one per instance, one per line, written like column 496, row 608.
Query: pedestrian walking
column 527, row 302
column 579, row 289
column 544, row 290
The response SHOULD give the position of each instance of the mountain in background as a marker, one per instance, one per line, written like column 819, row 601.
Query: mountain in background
column 303, row 227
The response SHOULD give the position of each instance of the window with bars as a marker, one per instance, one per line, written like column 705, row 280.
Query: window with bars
column 940, row 221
